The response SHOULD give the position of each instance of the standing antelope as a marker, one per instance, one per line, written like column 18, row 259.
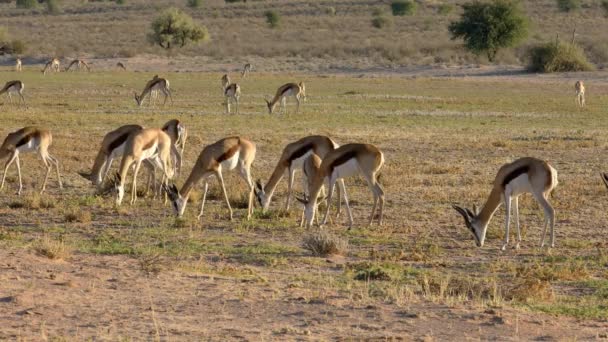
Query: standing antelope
column 149, row 143
column 178, row 134
column 580, row 93
column 29, row 139
column 297, row 91
column 112, row 146
column 246, row 70
column 121, row 66
column 292, row 159
column 230, row 153
column 346, row 161
column 156, row 84
column 525, row 175
column 13, row 87
column 225, row 81
column 18, row 64
column 80, row 64
column 53, row 65
column 232, row 93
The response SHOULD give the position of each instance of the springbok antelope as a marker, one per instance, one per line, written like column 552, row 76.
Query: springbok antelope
column 346, row 161
column 53, row 65
column 292, row 159
column 225, row 81
column 580, row 93
column 525, row 175
column 112, row 146
column 13, row 87
column 232, row 93
column 178, row 134
column 230, row 153
column 297, row 91
column 246, row 70
column 18, row 64
column 121, row 66
column 80, row 64
column 29, row 139
column 149, row 143
column 156, row 84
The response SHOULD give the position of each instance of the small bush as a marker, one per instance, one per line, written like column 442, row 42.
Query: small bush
column 194, row 3
column 568, row 5
column 52, row 7
column 381, row 21
column 331, row 11
column 558, row 57
column 604, row 5
column 445, row 9
column 27, row 4
column 121, row 2
column 272, row 18
column 323, row 244
column 52, row 249
column 77, row 215
column 403, row 7
column 233, row 1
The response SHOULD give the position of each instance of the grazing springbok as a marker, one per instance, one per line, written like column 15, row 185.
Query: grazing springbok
column 525, row 175
column 580, row 93
column 155, row 84
column 229, row 153
column 346, row 161
column 18, row 65
column 52, row 65
column 29, row 139
column 246, row 70
column 120, row 65
column 13, row 87
column 292, row 159
column 149, row 143
column 297, row 91
column 80, row 65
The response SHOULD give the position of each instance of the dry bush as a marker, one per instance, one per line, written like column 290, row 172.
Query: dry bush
column 558, row 57
column 78, row 215
column 323, row 244
column 530, row 289
column 52, row 249
column 548, row 272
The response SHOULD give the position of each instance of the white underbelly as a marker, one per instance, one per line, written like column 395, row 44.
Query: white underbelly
column 298, row 163
column 519, row 185
column 150, row 153
column 231, row 163
column 31, row 145
column 118, row 151
column 348, row 169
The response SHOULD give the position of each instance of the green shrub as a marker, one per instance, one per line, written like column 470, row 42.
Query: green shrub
column 403, row 7
column 121, row 2
column 558, row 57
column 173, row 27
column 27, row 3
column 331, row 11
column 381, row 21
column 604, row 5
column 568, row 5
column 52, row 7
column 272, row 18
column 194, row 3
column 445, row 9
column 487, row 27
column 233, row 1
column 17, row 47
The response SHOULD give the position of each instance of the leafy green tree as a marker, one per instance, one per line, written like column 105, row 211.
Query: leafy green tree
column 488, row 27
column 568, row 5
column 27, row 3
column 403, row 7
column 173, row 27
column 272, row 18
column 194, row 3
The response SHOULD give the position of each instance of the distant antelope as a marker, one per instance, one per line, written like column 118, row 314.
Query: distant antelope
column 297, row 91
column 53, row 65
column 29, row 139
column 121, row 66
column 580, row 93
column 155, row 84
column 18, row 64
column 525, row 175
column 346, row 161
column 292, row 159
column 246, row 70
column 13, row 87
column 225, row 81
column 149, row 143
column 232, row 94
column 230, row 153
column 80, row 64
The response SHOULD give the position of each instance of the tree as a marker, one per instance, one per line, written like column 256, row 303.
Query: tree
column 487, row 27
column 173, row 27
column 272, row 18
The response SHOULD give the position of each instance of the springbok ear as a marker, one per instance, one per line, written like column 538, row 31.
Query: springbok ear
column 471, row 214
column 462, row 212
column 258, row 185
column 174, row 189
column 302, row 200
column 605, row 178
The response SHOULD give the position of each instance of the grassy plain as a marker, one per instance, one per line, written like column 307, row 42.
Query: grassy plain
column 76, row 266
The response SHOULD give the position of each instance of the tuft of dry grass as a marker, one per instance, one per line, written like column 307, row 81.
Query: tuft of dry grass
column 78, row 215
column 322, row 244
column 52, row 249
column 530, row 289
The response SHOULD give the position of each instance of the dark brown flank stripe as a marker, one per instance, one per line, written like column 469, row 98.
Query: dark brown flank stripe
column 286, row 89
column 155, row 82
column 343, row 159
column 514, row 174
column 118, row 141
column 10, row 84
column 300, row 152
column 228, row 154
column 230, row 87
column 26, row 139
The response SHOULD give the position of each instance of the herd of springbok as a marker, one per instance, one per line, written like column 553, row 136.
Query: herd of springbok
column 322, row 160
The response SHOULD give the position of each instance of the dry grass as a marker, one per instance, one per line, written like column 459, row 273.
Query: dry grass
column 323, row 243
column 52, row 248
